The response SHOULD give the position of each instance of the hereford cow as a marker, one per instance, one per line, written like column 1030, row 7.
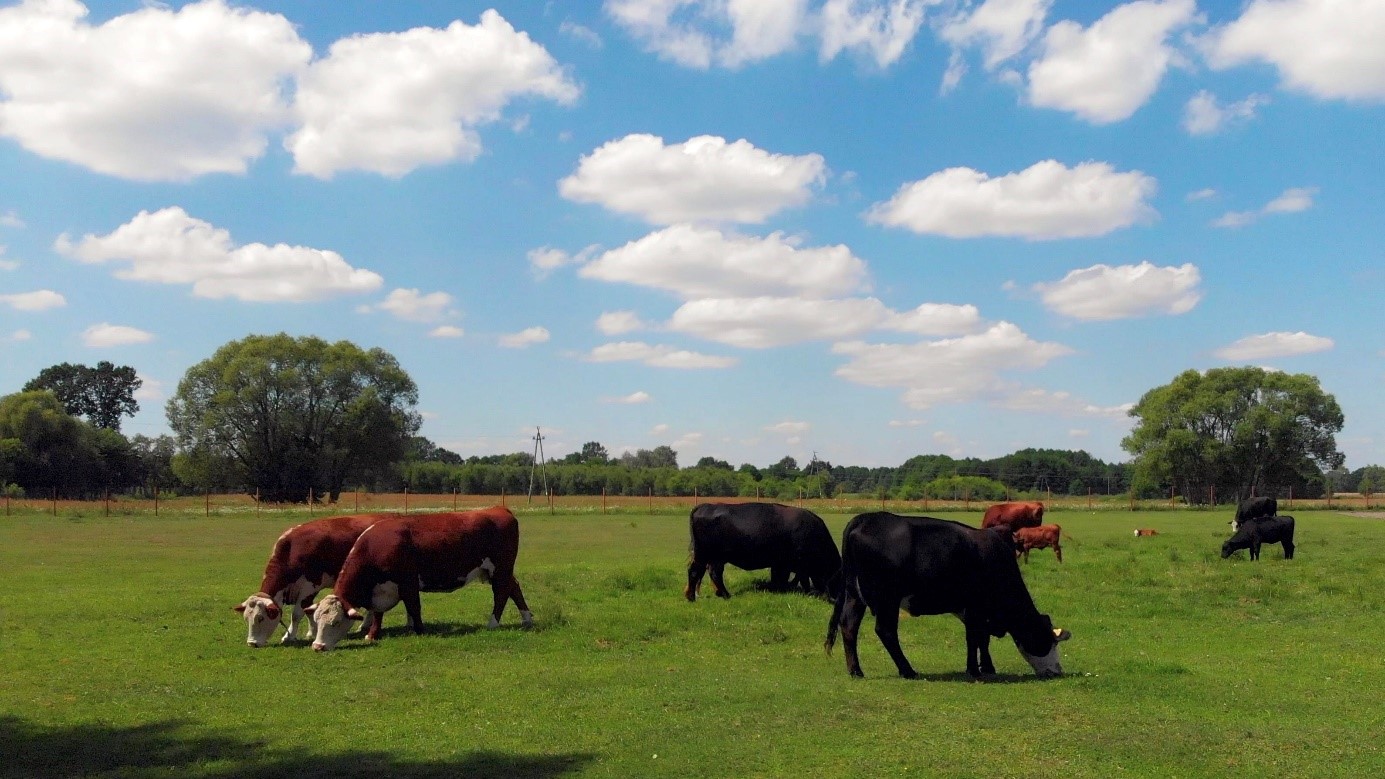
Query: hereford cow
column 1253, row 508
column 933, row 566
column 395, row 559
column 1146, row 531
column 786, row 540
column 1252, row 533
column 305, row 559
column 1041, row 537
column 1014, row 515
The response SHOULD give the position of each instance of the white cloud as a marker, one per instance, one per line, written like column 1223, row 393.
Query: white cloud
column 1042, row 401
column 619, row 322
column 38, row 300
column 10, row 218
column 1235, row 219
column 788, row 427
column 107, row 334
column 1105, row 72
column 414, row 306
column 525, row 338
column 446, row 331
column 1103, row 292
column 20, row 335
column 7, row 264
column 155, row 94
column 695, row 262
column 659, row 429
column 1326, row 48
column 1289, row 201
column 1046, row 200
column 705, row 179
column 764, row 322
column 907, row 423
column 660, row 356
column 150, row 390
column 392, row 102
column 1002, row 28
column 1271, row 345
column 880, row 29
column 581, row 33
column 546, row 259
column 170, row 247
column 1203, row 115
column 634, row 398
column 952, row 370
column 1201, row 194
column 700, row 33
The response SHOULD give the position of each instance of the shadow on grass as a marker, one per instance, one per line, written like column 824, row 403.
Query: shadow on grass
column 162, row 749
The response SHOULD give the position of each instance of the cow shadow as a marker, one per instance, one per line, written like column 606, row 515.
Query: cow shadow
column 963, row 676
column 164, row 748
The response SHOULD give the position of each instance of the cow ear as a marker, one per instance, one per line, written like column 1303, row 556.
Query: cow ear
column 1061, row 634
column 273, row 611
column 239, row 607
column 309, row 610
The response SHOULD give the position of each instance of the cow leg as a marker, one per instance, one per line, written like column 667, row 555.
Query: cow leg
column 413, row 607
column 695, row 571
column 978, row 649
column 370, row 622
column 1058, row 550
column 887, row 628
column 1288, row 549
column 375, row 618
column 853, row 611
column 1026, row 555
column 716, row 570
column 1255, row 550
column 526, row 617
column 294, row 614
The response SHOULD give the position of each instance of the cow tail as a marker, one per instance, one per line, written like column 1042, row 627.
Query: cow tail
column 837, row 606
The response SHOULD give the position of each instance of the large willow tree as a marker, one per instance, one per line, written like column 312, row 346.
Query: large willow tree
column 1234, row 432
column 293, row 417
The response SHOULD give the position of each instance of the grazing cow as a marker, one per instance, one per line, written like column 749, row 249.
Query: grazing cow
column 1146, row 531
column 1254, row 508
column 784, row 539
column 1014, row 515
column 396, row 559
column 305, row 559
column 1041, row 537
column 1270, row 530
column 934, row 566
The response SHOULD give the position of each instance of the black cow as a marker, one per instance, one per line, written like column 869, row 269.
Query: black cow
column 1254, row 508
column 934, row 566
column 784, row 539
column 1269, row 530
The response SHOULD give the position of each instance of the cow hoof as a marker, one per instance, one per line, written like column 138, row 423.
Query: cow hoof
column 723, row 594
column 910, row 675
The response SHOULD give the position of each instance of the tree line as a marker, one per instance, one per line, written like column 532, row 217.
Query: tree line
column 289, row 419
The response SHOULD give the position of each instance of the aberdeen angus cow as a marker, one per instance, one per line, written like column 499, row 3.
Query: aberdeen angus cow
column 1014, row 515
column 1269, row 530
column 786, row 540
column 396, row 559
column 305, row 559
column 1041, row 537
column 933, row 566
column 1253, row 508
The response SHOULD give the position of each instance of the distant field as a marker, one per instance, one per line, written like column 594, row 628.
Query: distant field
column 120, row 657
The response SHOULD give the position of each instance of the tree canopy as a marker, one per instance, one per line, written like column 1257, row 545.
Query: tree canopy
column 102, row 394
column 295, row 417
column 1234, row 432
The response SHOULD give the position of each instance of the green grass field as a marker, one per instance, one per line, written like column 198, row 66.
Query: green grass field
column 120, row 657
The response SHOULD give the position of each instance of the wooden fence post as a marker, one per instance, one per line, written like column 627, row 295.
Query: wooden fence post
column 207, row 500
column 406, row 500
column 454, row 498
column 603, row 500
column 55, row 502
column 311, row 501
column 651, row 500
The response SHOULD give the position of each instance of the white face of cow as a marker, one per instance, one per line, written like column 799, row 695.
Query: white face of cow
column 333, row 621
column 1045, row 665
column 261, row 617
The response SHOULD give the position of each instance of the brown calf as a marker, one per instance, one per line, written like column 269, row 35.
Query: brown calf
column 1040, row 537
column 1146, row 531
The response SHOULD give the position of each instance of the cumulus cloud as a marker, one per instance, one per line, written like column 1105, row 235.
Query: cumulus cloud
column 392, row 102
column 696, row 262
column 582, row 33
column 1201, row 194
column 1041, row 401
column 1289, row 201
column 1271, row 345
column 414, row 306
column 619, row 323
column 155, row 94
column 788, row 428
column 106, row 334
column 879, row 29
column 907, row 422
column 38, row 300
column 1001, row 28
column 1103, row 292
column 700, row 33
column 1203, row 115
column 446, row 331
column 170, row 247
column 660, row 356
column 10, row 218
column 764, row 322
column 1046, row 200
column 525, row 338
column 150, row 390
column 19, row 336
column 953, row 370
column 1329, row 50
column 634, row 398
column 704, row 179
column 546, row 259
column 1105, row 72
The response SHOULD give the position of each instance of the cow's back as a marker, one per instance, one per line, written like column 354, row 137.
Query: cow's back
column 747, row 535
column 941, row 559
column 1015, row 514
column 449, row 546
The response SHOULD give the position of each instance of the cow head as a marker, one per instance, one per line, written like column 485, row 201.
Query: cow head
column 262, row 615
column 332, row 617
column 1038, row 645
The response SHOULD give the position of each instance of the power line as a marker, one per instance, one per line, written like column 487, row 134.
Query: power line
column 538, row 462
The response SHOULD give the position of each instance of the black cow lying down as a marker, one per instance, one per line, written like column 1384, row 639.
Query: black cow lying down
column 933, row 566
column 752, row 536
column 1254, row 532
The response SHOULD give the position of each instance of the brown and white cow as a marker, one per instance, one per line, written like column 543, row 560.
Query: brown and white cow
column 1014, row 515
column 305, row 560
column 1041, row 537
column 1146, row 531
column 396, row 559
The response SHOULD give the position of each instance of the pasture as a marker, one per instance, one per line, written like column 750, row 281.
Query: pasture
column 120, row 657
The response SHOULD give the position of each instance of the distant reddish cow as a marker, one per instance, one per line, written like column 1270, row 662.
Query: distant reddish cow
column 305, row 559
column 1040, row 537
column 1146, row 531
column 1014, row 515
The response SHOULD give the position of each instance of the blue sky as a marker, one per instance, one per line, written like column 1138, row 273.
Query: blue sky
column 865, row 229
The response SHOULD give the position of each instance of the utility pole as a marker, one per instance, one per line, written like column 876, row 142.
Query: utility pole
column 539, row 463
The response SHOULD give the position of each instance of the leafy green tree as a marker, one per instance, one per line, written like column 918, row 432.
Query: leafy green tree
column 1237, row 431
column 712, row 462
column 593, row 453
column 297, row 416
column 102, row 394
column 43, row 448
column 1372, row 480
